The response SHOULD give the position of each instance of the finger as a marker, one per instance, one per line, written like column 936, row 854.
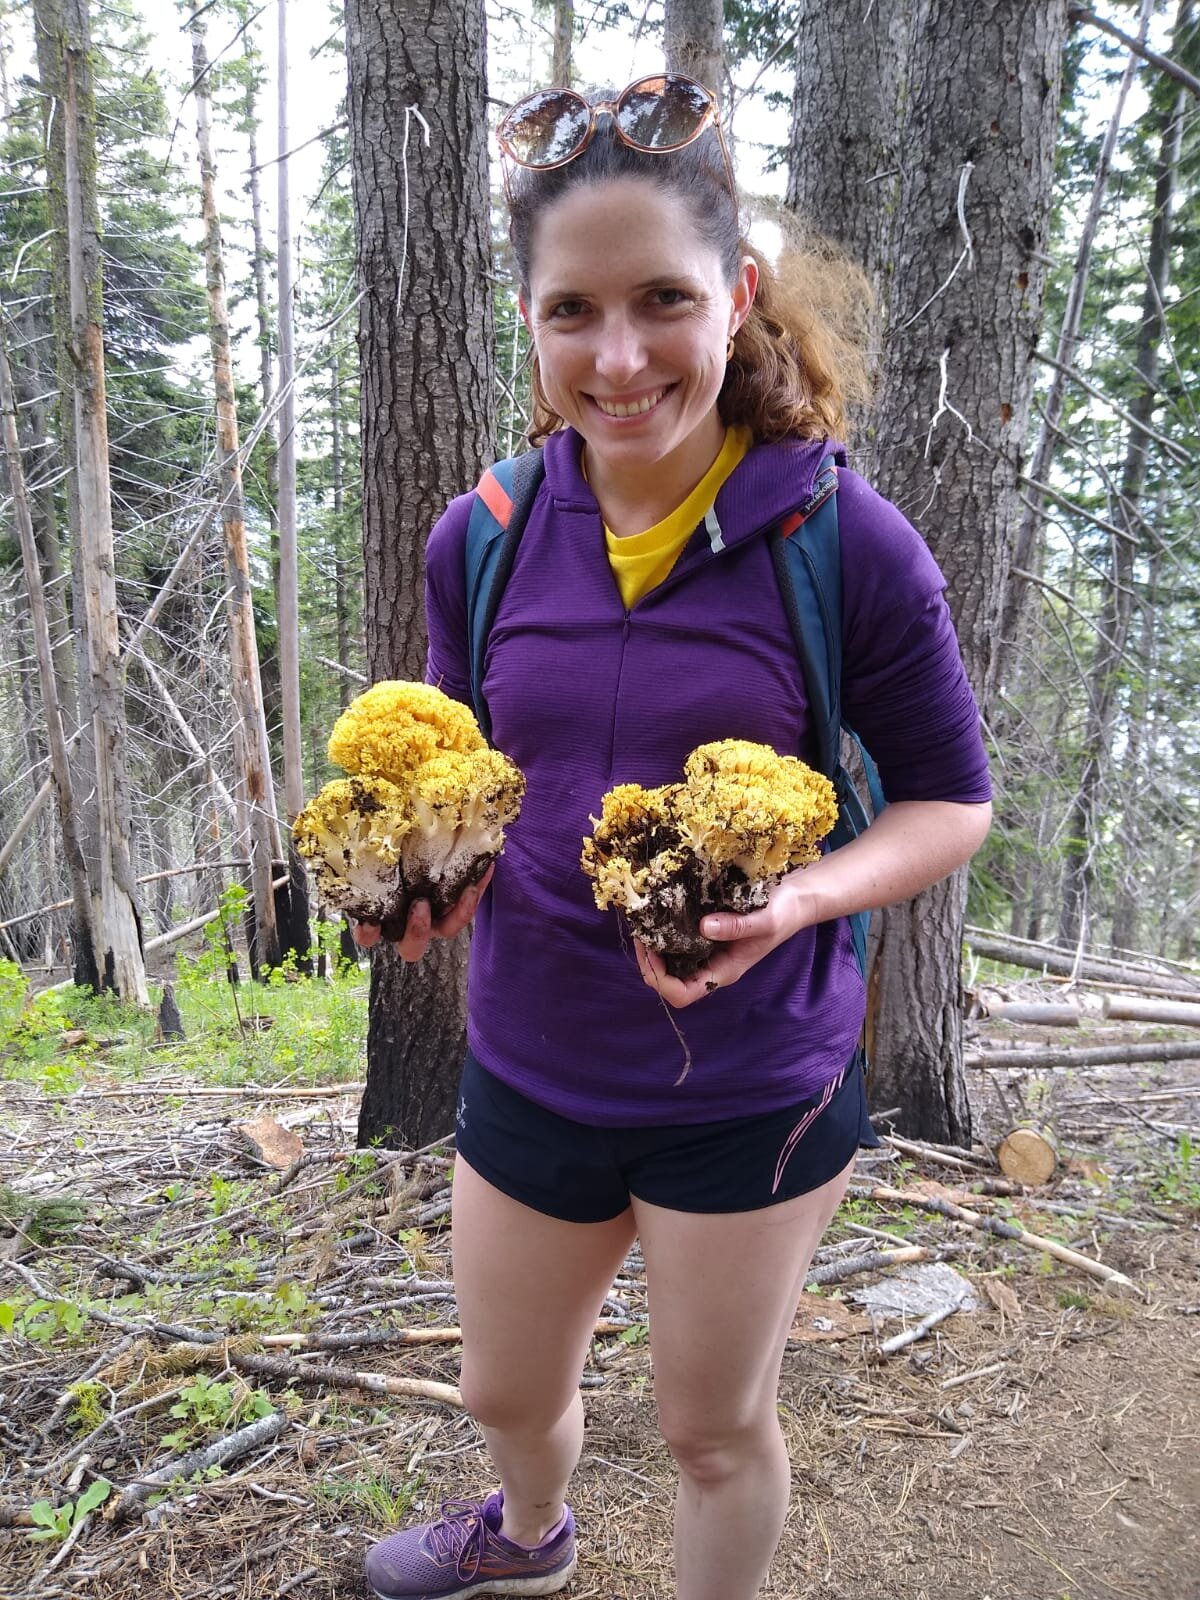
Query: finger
column 677, row 992
column 417, row 933
column 460, row 914
column 726, row 926
column 366, row 934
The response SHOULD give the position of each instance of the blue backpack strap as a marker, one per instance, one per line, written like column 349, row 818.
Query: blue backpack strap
column 807, row 556
column 503, row 500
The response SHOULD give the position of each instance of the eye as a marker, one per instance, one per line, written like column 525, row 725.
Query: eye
column 567, row 308
column 670, row 297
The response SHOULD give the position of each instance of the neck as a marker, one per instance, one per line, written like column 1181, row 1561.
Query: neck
column 633, row 498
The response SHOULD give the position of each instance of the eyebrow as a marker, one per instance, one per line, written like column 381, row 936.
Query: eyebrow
column 664, row 280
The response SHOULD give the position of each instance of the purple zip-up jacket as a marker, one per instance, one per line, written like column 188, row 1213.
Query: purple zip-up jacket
column 584, row 695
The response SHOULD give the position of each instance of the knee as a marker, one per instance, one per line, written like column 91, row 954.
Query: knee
column 712, row 1451
column 497, row 1402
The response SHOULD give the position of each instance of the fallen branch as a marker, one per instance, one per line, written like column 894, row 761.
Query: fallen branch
column 398, row 1336
column 995, row 1225
column 228, row 1448
column 346, row 1378
column 926, row 1152
column 1180, row 983
column 900, row 1341
column 1105, row 1055
column 872, row 1261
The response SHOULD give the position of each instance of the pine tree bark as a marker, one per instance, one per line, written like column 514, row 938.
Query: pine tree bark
column 694, row 41
column 116, row 960
column 421, row 206
column 253, row 750
column 564, row 30
column 934, row 168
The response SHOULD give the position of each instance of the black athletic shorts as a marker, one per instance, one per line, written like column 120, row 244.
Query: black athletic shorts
column 579, row 1173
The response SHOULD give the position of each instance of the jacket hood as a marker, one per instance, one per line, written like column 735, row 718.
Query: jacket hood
column 769, row 483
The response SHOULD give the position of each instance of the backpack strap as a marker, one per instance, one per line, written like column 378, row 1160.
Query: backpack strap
column 503, row 500
column 807, row 557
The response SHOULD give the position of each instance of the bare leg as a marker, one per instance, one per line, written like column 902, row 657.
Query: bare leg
column 723, row 1293
column 529, row 1290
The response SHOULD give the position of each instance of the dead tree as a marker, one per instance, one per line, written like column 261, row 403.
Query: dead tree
column 64, row 58
column 253, row 750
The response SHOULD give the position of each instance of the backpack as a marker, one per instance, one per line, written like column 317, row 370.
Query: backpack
column 806, row 554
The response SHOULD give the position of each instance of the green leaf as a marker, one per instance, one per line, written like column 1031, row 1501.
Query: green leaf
column 96, row 1493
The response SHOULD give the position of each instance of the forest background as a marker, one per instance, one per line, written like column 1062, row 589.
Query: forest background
column 1091, row 680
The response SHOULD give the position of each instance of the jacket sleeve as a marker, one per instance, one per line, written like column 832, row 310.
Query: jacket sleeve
column 448, row 658
column 905, row 690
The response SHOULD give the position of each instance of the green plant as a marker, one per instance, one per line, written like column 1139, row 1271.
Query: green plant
column 206, row 1403
column 56, row 1522
column 88, row 1410
column 1178, row 1180
column 42, row 1320
column 374, row 1497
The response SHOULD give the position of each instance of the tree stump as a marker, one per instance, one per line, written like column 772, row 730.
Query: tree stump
column 1028, row 1155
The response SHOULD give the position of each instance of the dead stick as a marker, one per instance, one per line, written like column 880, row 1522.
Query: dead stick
column 910, row 1147
column 900, row 1341
column 1003, row 1230
column 228, row 1448
column 347, row 1341
column 346, row 1378
column 836, row 1271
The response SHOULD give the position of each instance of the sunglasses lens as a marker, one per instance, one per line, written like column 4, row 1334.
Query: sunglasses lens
column 662, row 113
column 546, row 128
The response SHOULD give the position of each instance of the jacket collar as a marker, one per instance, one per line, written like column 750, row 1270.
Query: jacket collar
column 769, row 483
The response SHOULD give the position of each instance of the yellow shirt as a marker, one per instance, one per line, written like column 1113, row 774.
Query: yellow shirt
column 641, row 561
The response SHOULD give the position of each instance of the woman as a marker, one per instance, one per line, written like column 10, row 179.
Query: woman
column 685, row 407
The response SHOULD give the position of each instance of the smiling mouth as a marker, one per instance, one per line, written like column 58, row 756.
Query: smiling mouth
column 630, row 408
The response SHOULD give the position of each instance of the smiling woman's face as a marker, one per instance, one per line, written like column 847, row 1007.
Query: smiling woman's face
column 631, row 316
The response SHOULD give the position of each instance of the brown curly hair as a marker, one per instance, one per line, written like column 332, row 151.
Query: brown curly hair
column 799, row 359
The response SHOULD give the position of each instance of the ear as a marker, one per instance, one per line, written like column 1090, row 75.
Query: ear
column 524, row 310
column 743, row 292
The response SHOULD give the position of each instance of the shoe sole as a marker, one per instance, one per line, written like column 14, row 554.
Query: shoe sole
column 550, row 1584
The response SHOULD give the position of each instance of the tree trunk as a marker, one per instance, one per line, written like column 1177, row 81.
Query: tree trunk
column 1068, row 337
column 694, row 42
column 425, row 341
column 564, row 29
column 916, row 154
column 1109, row 666
column 294, row 900
column 59, row 762
column 251, row 744
column 115, row 924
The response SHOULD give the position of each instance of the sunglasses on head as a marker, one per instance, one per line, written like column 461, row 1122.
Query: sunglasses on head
column 656, row 115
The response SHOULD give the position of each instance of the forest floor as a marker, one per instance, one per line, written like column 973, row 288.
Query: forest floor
column 163, row 1288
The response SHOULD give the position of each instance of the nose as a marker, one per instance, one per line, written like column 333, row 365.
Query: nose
column 620, row 350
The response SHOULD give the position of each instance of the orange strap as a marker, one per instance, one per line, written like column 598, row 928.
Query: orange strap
column 492, row 492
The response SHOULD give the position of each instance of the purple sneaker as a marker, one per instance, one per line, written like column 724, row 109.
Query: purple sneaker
column 463, row 1553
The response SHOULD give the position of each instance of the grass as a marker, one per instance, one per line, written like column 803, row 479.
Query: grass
column 288, row 1030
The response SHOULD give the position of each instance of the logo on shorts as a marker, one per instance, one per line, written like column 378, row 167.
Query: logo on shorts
column 460, row 1116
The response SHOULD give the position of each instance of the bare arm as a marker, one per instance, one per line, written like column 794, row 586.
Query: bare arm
column 914, row 843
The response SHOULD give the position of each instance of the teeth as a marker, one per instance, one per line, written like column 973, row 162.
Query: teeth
column 614, row 408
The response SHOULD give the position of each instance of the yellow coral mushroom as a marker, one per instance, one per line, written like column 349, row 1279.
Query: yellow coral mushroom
column 742, row 817
column 422, row 815
column 393, row 727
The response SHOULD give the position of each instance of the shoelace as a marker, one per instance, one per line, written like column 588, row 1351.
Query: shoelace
column 459, row 1531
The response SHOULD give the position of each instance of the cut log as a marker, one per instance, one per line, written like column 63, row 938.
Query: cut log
column 1042, row 1014
column 1134, row 1008
column 1066, row 963
column 1028, row 1155
column 1108, row 1055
